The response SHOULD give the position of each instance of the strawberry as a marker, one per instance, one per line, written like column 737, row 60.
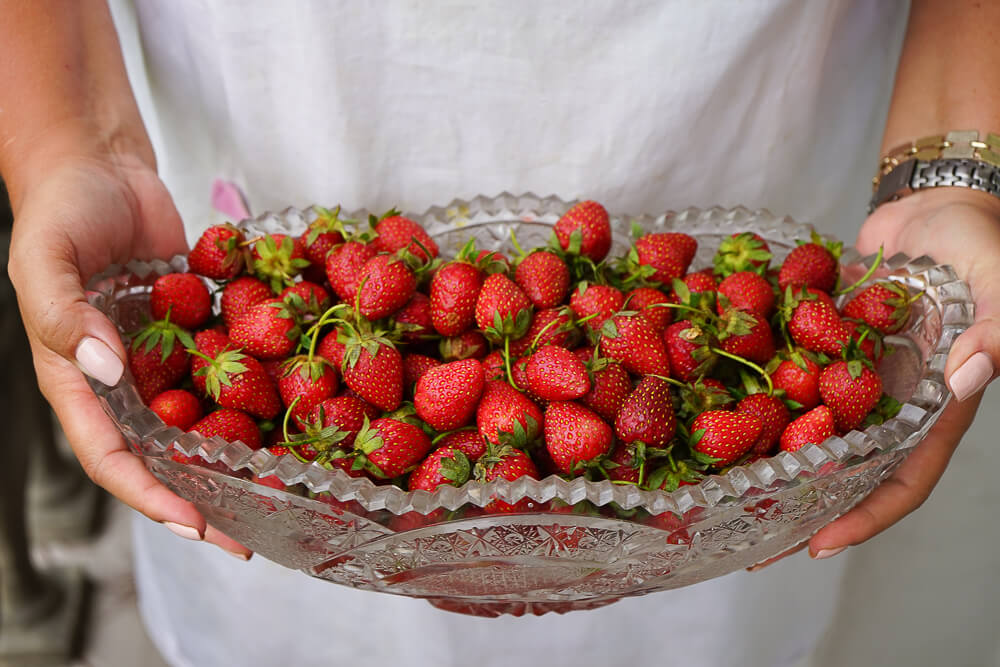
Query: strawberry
column 372, row 367
column 519, row 374
column 850, row 389
column 688, row 347
column 323, row 233
column 468, row 345
column 493, row 366
column 445, row 465
column 609, row 389
column 647, row 415
column 556, row 374
column 157, row 358
column 230, row 425
column 395, row 232
column 551, row 326
column 506, row 415
column 575, row 436
column 387, row 284
column 346, row 414
column 701, row 395
column 811, row 265
column 343, row 267
column 307, row 299
column 453, row 293
column 622, row 465
column 585, row 230
column 507, row 463
column 414, row 320
column 446, row 396
column 645, row 300
column 184, row 297
column 668, row 255
column 332, row 349
column 813, row 427
column 218, row 253
column 468, row 441
column 743, row 251
column 277, row 259
column 306, row 383
column 814, row 323
column 387, row 448
column 724, row 435
column 639, row 347
column 267, row 330
column 747, row 335
column 235, row 380
column 865, row 340
column 748, row 291
column 414, row 367
column 884, row 306
column 599, row 301
column 502, row 308
column 177, row 407
column 774, row 415
column 798, row 377
column 240, row 295
column 544, row 277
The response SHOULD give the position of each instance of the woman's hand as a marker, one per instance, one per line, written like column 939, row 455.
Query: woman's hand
column 72, row 220
column 962, row 228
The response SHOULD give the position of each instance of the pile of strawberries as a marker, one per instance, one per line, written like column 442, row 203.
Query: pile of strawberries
column 355, row 346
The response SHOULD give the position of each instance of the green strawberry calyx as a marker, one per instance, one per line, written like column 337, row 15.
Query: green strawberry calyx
column 219, row 371
column 163, row 333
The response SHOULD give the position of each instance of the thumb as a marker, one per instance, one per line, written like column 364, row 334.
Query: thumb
column 972, row 362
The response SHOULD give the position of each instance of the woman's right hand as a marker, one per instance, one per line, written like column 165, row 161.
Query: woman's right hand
column 71, row 220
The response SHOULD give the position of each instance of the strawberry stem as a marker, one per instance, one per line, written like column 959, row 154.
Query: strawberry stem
column 868, row 274
column 506, row 362
column 747, row 362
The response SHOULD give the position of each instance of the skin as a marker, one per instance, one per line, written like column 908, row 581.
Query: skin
column 85, row 193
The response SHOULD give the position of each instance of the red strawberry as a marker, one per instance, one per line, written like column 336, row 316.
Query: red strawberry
column 556, row 374
column 816, row 326
column 307, row 299
column 446, row 396
column 700, row 282
column 396, row 232
column 599, row 301
column 668, row 254
column 236, row 380
column 454, row 289
column 306, row 384
column 240, row 295
column 748, row 291
column 585, row 229
column 468, row 345
column 177, row 407
column 645, row 300
column 218, row 253
column 609, row 389
column 647, row 415
column 688, row 347
column 552, row 326
column 377, row 376
column 157, row 358
column 277, row 259
column 884, row 306
column 772, row 413
column 743, row 251
column 725, row 435
column 624, row 465
column 332, row 349
column 510, row 464
column 868, row 341
column 519, row 373
column 414, row 320
column 389, row 448
column 701, row 395
column 810, row 265
column 414, row 367
column 468, row 441
column 445, row 465
column 323, row 233
column 267, row 330
column 387, row 284
column 575, row 436
column 346, row 413
column 747, row 335
column 850, row 389
column 230, row 425
column 798, row 377
column 502, row 308
column 813, row 427
column 504, row 410
column 343, row 267
column 493, row 366
column 544, row 277
column 639, row 347
column 183, row 297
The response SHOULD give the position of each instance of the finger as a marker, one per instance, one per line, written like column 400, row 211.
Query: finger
column 907, row 488
column 227, row 544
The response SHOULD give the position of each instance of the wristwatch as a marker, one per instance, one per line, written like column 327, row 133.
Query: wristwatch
column 957, row 159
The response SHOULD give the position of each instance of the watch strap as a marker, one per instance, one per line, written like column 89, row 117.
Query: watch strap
column 916, row 174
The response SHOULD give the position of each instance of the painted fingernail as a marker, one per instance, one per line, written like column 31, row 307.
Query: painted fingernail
column 828, row 553
column 97, row 360
column 187, row 532
column 971, row 376
column 237, row 554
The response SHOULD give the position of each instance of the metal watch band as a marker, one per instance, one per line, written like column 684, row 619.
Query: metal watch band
column 912, row 175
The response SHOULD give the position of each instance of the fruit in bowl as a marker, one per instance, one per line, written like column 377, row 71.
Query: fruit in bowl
column 513, row 401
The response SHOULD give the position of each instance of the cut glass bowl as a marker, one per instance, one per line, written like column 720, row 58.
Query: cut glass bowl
column 586, row 544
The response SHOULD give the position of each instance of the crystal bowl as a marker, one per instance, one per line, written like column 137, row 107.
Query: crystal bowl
column 584, row 544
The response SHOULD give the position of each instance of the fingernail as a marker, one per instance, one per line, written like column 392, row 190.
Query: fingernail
column 187, row 532
column 97, row 360
column 237, row 554
column 971, row 376
column 828, row 553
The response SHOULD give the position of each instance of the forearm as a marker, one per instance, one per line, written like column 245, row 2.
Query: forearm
column 63, row 89
column 949, row 71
